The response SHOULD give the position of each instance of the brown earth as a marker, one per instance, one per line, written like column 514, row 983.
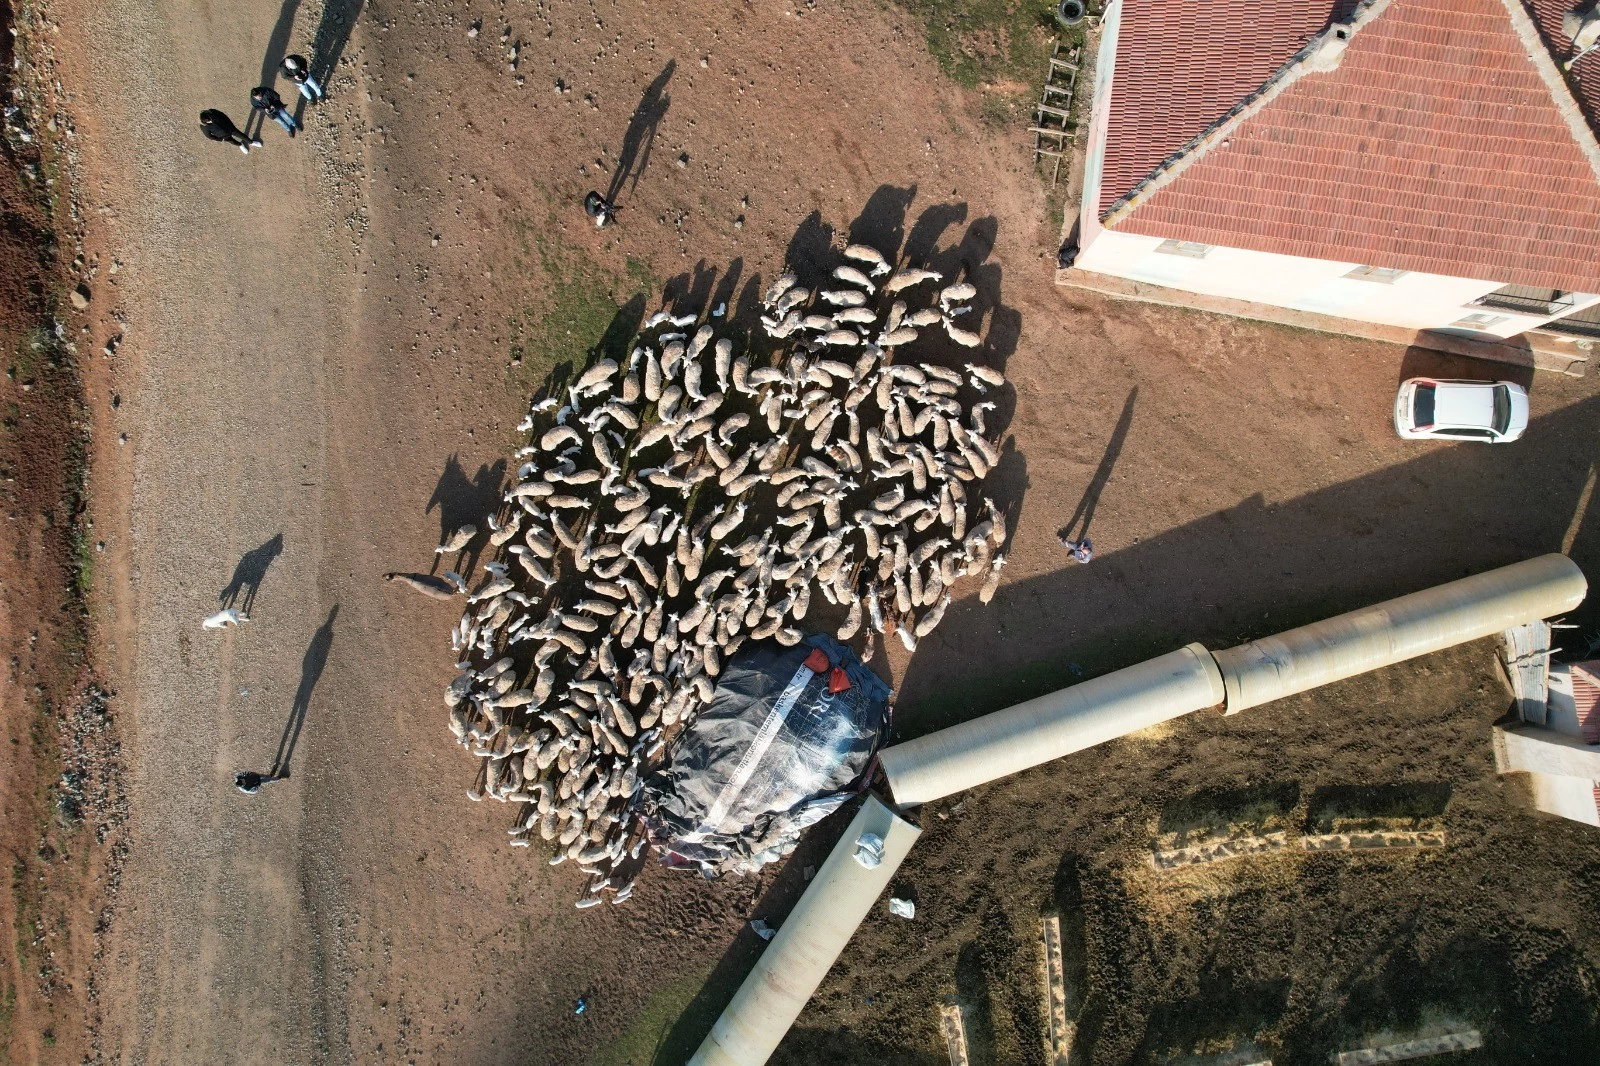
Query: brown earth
column 327, row 346
column 59, row 793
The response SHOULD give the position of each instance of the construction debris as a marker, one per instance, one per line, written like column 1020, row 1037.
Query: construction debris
column 1378, row 838
column 1215, row 851
column 1525, row 663
column 1464, row 1040
column 668, row 509
column 1062, row 1030
column 787, row 739
column 954, row 1031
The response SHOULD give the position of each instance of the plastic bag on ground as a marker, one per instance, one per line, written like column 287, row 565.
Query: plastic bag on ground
column 788, row 737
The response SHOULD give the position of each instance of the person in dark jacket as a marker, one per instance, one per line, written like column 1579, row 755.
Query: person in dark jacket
column 299, row 72
column 219, row 127
column 265, row 99
column 598, row 208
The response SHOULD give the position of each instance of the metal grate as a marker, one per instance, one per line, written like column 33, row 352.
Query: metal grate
column 1585, row 323
column 1526, row 299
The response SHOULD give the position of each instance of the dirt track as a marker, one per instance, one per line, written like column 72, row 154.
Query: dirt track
column 318, row 346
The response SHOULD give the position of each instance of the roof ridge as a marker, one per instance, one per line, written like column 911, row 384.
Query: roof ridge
column 1560, row 92
column 1321, row 53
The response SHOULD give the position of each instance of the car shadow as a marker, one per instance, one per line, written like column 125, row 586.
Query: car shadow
column 1421, row 362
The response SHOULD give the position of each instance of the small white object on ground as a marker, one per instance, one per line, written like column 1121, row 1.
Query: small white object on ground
column 905, row 908
column 869, row 850
column 763, row 930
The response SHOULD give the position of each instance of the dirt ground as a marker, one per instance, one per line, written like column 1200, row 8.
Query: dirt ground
column 60, row 798
column 326, row 346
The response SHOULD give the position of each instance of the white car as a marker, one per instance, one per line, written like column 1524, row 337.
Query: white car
column 1494, row 412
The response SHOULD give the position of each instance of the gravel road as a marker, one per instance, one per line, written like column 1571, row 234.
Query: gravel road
column 293, row 411
column 237, row 317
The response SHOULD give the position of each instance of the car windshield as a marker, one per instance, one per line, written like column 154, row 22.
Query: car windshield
column 1423, row 409
column 1502, row 408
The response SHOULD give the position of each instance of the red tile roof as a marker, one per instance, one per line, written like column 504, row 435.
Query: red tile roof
column 1586, row 698
column 1434, row 146
column 1182, row 65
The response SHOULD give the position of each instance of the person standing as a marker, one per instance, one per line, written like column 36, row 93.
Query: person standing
column 299, row 72
column 217, row 126
column 266, row 100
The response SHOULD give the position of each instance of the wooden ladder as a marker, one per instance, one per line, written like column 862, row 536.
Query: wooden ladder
column 1053, row 129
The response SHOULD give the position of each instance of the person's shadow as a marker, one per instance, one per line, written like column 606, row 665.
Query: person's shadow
column 277, row 48
column 1091, row 496
column 327, row 46
column 248, row 575
column 311, row 667
column 635, row 153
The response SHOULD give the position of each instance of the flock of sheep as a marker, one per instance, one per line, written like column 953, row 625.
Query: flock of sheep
column 670, row 508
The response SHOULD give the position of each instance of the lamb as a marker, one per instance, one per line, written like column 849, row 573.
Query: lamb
column 224, row 619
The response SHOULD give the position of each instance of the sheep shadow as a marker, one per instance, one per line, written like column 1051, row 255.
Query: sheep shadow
column 248, row 574
column 464, row 500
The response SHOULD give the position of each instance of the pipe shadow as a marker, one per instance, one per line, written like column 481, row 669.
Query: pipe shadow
column 464, row 500
column 1260, row 806
column 1224, row 1011
column 1476, row 978
column 1257, row 568
column 248, row 574
column 1084, row 515
column 679, row 1042
column 311, row 667
column 1412, row 805
column 641, row 134
column 808, row 1047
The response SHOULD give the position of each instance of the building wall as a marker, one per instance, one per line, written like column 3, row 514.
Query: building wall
column 1572, row 798
column 1105, row 67
column 1413, row 300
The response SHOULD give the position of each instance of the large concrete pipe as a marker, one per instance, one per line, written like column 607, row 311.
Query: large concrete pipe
column 1400, row 629
column 1052, row 726
column 811, row 938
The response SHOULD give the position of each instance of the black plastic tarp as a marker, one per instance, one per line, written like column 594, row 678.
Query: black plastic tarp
column 782, row 744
